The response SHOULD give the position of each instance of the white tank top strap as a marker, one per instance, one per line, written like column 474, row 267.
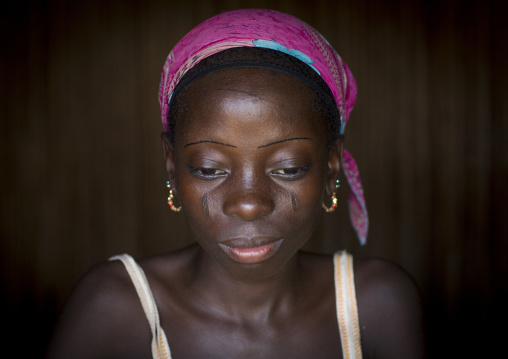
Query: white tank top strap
column 160, row 346
column 347, row 310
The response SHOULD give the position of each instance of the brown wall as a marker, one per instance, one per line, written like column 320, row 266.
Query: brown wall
column 82, row 175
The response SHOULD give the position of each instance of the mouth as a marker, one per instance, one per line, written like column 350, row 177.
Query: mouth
column 251, row 251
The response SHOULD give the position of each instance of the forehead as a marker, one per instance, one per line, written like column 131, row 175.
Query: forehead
column 248, row 97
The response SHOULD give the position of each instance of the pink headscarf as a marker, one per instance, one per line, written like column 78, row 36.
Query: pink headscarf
column 282, row 32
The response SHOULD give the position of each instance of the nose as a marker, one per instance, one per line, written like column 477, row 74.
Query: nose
column 248, row 200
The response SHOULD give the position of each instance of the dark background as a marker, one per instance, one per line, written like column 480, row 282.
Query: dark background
column 82, row 174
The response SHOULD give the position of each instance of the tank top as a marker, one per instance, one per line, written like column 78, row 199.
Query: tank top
column 345, row 295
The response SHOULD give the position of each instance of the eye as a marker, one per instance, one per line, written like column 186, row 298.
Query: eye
column 209, row 173
column 291, row 172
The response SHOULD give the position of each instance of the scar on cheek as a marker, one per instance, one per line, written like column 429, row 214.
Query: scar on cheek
column 205, row 205
column 294, row 202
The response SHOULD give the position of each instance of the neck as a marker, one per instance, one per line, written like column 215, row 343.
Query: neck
column 247, row 292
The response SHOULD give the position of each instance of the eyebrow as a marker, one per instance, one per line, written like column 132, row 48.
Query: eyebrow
column 286, row 140
column 208, row 141
column 262, row 146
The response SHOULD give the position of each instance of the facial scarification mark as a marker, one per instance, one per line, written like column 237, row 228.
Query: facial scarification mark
column 294, row 202
column 205, row 205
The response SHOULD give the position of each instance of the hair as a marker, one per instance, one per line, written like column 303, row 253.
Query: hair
column 254, row 57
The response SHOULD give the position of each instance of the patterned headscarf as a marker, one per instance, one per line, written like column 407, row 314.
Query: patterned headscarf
column 281, row 32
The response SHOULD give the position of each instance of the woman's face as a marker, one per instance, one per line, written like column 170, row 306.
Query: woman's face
column 250, row 165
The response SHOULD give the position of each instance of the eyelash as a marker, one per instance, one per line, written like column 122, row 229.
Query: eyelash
column 208, row 173
column 294, row 172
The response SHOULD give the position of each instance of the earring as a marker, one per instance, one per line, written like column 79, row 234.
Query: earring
column 334, row 204
column 334, row 199
column 170, row 198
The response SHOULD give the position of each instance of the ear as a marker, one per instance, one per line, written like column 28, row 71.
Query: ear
column 335, row 155
column 168, row 157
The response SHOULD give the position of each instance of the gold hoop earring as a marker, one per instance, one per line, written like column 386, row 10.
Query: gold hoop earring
column 334, row 199
column 333, row 207
column 170, row 198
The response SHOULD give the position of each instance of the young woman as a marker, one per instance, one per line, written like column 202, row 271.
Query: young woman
column 254, row 104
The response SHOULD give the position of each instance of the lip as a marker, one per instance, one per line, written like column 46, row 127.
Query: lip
column 250, row 251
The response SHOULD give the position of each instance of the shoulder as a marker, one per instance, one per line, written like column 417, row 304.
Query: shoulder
column 390, row 310
column 384, row 280
column 101, row 307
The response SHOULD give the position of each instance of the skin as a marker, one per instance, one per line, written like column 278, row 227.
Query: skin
column 250, row 166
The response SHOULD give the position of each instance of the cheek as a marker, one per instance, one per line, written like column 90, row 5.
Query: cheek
column 195, row 202
column 193, row 199
column 303, row 207
column 308, row 195
column 299, row 205
column 305, row 204
column 200, row 216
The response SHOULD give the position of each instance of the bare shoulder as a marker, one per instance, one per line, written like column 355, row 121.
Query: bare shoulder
column 390, row 310
column 379, row 278
column 103, row 318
